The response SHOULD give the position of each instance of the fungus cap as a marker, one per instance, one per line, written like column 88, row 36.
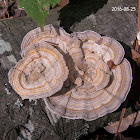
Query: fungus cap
column 108, row 48
column 129, row 120
column 40, row 73
column 94, row 89
column 89, row 102
column 57, row 37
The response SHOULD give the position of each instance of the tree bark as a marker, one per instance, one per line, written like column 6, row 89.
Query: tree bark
column 15, row 113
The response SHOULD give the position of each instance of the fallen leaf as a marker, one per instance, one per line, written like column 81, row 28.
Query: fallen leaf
column 111, row 64
column 62, row 3
column 135, row 56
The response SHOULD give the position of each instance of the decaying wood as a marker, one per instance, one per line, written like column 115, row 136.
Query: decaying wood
column 14, row 112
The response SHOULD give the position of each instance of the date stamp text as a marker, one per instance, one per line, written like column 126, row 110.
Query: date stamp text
column 119, row 8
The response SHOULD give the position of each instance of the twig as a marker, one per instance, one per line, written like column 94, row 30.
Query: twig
column 121, row 117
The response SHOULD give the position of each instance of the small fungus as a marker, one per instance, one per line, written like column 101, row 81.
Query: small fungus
column 131, row 119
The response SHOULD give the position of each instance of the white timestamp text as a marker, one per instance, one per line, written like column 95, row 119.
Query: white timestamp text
column 119, row 8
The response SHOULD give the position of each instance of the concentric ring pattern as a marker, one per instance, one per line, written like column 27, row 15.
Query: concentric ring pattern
column 95, row 88
column 40, row 73
column 80, row 76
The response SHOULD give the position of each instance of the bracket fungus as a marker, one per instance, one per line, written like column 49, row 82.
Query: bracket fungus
column 131, row 119
column 96, row 88
column 56, row 36
column 40, row 73
column 72, row 72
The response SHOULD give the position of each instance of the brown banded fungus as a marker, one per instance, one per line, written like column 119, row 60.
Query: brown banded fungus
column 40, row 73
column 95, row 88
column 90, row 90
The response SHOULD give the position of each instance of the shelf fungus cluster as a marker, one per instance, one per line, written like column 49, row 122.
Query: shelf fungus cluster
column 79, row 76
